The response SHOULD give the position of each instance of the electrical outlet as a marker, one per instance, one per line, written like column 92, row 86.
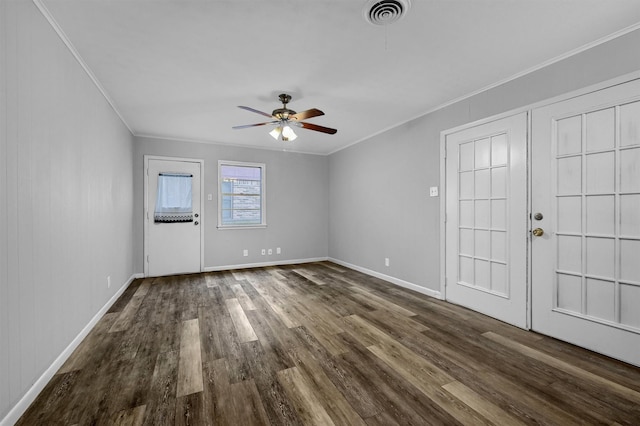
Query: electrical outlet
column 278, row 251
column 245, row 252
column 433, row 191
column 386, row 261
column 108, row 281
column 264, row 251
column 270, row 252
column 210, row 197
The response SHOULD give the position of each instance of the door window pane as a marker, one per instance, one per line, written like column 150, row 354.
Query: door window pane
column 174, row 198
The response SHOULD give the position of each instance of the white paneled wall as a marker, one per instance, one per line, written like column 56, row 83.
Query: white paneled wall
column 66, row 200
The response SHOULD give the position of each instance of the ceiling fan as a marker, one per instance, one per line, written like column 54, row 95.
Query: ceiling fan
column 284, row 118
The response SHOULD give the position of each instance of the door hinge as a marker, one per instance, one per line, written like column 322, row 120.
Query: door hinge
column 147, row 258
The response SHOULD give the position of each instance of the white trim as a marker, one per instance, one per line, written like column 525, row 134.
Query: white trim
column 21, row 406
column 49, row 17
column 263, row 264
column 443, row 215
column 145, row 237
column 529, row 275
column 393, row 280
column 236, row 228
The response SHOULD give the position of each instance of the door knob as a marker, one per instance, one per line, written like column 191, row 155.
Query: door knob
column 538, row 232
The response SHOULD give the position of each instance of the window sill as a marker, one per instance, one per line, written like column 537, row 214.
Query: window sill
column 224, row 228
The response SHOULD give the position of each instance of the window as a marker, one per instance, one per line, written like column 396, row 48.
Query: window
column 241, row 194
column 173, row 201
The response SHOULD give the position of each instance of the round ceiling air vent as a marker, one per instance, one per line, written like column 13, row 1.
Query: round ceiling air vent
column 384, row 12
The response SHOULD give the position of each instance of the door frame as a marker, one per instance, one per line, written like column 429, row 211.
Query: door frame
column 528, row 109
column 145, row 212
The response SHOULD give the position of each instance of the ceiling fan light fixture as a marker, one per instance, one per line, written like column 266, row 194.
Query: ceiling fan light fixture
column 283, row 132
column 289, row 134
column 275, row 133
column 284, row 118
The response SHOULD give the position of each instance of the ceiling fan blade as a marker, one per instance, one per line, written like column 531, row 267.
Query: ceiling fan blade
column 318, row 128
column 266, row 114
column 310, row 113
column 245, row 126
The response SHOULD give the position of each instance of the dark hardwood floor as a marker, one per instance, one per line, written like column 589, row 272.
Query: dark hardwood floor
column 322, row 344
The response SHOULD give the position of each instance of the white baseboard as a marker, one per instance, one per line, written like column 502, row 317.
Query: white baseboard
column 19, row 409
column 392, row 280
column 262, row 264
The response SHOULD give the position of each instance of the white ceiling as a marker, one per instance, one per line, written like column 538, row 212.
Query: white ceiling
column 178, row 68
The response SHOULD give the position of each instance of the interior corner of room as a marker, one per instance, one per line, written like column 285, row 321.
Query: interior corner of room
column 73, row 193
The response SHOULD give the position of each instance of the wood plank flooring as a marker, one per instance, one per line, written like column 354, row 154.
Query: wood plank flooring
column 319, row 344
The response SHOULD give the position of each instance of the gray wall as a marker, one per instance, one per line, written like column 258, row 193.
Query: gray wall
column 379, row 189
column 66, row 199
column 297, row 204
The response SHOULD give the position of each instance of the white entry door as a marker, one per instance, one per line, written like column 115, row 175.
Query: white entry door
column 173, row 219
column 486, row 219
column 586, row 190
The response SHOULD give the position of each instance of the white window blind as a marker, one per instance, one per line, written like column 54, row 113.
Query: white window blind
column 241, row 200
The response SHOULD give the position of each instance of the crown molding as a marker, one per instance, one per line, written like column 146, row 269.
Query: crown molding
column 228, row 144
column 49, row 17
column 531, row 70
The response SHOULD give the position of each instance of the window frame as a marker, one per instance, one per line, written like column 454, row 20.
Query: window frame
column 263, row 194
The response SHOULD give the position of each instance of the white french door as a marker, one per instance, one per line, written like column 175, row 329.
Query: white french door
column 486, row 219
column 173, row 245
column 585, row 266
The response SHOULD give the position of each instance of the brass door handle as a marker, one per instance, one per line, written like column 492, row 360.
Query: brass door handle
column 538, row 232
